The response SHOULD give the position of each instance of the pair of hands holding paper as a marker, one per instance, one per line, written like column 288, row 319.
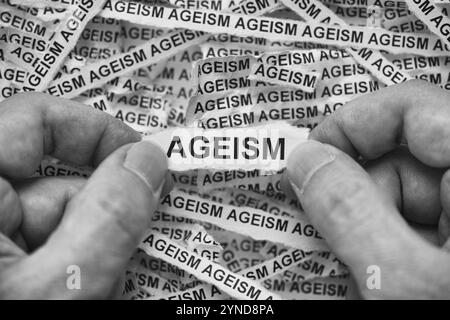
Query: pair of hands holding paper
column 392, row 213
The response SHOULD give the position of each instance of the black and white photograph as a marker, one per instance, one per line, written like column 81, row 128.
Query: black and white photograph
column 224, row 158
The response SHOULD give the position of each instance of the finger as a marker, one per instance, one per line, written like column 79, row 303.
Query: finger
column 374, row 124
column 101, row 226
column 34, row 124
column 18, row 239
column 444, row 231
column 444, row 222
column 10, row 252
column 43, row 202
column 10, row 209
column 414, row 186
column 360, row 224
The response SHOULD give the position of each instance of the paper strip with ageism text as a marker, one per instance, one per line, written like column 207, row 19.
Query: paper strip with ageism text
column 262, row 147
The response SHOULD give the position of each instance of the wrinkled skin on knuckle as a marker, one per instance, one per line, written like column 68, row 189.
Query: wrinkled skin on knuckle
column 417, row 86
column 427, row 124
column 429, row 143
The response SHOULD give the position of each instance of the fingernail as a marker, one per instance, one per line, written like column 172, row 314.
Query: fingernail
column 149, row 163
column 286, row 187
column 305, row 161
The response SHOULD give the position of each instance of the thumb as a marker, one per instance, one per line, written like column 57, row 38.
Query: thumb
column 102, row 224
column 360, row 223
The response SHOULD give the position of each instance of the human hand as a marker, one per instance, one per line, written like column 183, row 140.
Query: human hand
column 357, row 209
column 65, row 221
